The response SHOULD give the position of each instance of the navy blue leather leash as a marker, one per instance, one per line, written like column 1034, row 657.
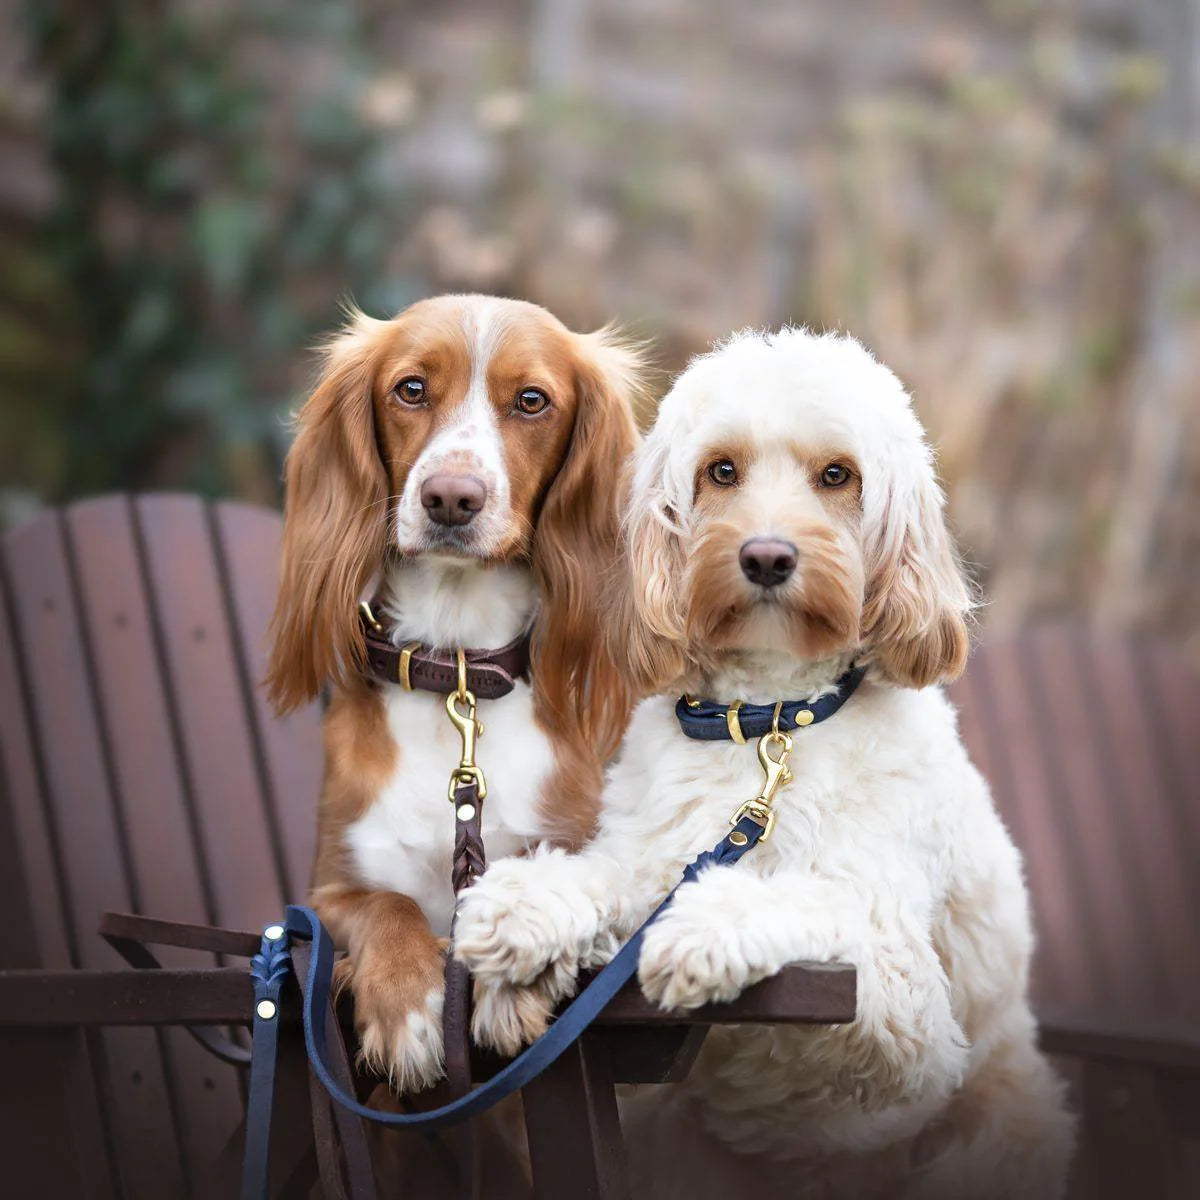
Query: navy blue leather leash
column 712, row 721
column 272, row 966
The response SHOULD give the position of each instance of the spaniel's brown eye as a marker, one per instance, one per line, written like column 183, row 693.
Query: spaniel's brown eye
column 723, row 473
column 532, row 401
column 834, row 475
column 410, row 391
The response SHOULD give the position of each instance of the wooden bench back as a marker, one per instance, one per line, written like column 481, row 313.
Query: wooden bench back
column 1092, row 745
column 142, row 771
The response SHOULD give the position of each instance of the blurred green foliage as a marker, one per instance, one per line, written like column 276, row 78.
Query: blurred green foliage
column 207, row 216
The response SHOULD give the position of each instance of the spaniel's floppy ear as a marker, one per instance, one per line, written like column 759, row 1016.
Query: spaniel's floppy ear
column 334, row 524
column 648, row 632
column 917, row 600
column 576, row 545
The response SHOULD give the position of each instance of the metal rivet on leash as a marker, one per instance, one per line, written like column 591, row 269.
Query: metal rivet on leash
column 738, row 838
column 273, row 933
column 266, row 1009
column 465, row 812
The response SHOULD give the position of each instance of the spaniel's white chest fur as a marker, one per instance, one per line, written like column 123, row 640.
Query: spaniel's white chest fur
column 404, row 841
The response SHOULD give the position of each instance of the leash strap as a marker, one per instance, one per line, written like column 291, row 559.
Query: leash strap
column 268, row 968
column 272, row 965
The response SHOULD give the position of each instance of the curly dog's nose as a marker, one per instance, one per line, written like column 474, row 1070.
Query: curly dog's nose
column 767, row 561
column 453, row 499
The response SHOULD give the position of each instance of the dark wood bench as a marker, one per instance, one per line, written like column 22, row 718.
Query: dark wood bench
column 142, row 771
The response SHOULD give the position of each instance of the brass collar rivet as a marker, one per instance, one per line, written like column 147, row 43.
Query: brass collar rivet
column 803, row 717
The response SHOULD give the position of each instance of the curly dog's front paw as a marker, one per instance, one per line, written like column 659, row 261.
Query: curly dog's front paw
column 704, row 949
column 510, row 927
column 507, row 1018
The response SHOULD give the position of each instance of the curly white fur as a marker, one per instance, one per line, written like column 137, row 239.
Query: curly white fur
column 887, row 852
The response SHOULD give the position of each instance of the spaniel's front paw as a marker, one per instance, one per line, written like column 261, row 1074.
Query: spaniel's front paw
column 515, row 923
column 398, row 1016
column 703, row 950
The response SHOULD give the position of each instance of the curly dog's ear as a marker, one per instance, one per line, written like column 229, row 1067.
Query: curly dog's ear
column 917, row 600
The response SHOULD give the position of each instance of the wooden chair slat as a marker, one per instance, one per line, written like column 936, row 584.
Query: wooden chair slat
column 965, row 694
column 149, row 782
column 1022, row 793
column 1171, row 691
column 1159, row 860
column 53, row 1137
column 248, row 544
column 1085, row 805
column 37, row 934
column 233, row 823
column 56, row 663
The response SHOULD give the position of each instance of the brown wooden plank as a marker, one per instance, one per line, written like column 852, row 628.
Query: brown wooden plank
column 1129, row 976
column 971, row 720
column 150, row 788
column 568, row 1125
column 51, row 1142
column 234, row 830
column 248, row 547
column 1158, row 862
column 1171, row 691
column 69, row 746
column 1023, row 795
column 39, row 934
column 1127, row 1131
column 224, row 995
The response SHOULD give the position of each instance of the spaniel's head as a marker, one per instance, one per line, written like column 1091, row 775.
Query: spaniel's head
column 467, row 427
column 786, row 500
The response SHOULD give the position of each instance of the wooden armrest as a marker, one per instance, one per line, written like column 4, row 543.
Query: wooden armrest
column 224, row 996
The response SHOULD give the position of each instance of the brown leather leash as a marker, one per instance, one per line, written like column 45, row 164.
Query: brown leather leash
column 462, row 676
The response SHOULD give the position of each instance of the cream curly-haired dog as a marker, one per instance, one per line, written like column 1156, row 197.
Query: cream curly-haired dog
column 785, row 522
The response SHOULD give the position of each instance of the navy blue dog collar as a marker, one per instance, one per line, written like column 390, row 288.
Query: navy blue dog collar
column 711, row 721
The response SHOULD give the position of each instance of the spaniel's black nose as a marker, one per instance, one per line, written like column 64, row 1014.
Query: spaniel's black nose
column 767, row 561
column 453, row 499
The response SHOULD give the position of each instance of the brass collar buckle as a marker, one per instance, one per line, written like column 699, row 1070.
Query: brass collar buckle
column 775, row 774
column 469, row 728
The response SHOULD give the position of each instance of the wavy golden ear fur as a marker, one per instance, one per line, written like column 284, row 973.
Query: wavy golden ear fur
column 335, row 523
column 582, row 689
column 917, row 600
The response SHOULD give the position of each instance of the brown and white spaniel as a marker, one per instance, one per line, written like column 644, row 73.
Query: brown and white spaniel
column 459, row 462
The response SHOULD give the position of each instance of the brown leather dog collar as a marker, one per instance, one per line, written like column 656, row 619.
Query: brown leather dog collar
column 415, row 666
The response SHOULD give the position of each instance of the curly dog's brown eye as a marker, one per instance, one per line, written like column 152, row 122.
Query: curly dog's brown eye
column 723, row 473
column 410, row 391
column 834, row 475
column 532, row 401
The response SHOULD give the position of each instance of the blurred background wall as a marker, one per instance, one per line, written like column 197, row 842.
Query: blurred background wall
column 1001, row 197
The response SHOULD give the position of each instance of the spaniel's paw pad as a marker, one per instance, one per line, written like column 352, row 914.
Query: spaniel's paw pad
column 404, row 1044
